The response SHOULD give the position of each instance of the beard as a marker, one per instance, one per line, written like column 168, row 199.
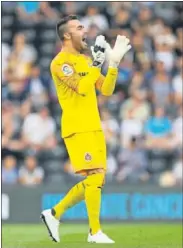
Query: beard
column 78, row 43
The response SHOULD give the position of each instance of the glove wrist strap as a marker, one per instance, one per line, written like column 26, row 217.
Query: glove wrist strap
column 97, row 64
column 113, row 64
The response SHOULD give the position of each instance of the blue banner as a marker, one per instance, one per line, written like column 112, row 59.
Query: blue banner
column 126, row 206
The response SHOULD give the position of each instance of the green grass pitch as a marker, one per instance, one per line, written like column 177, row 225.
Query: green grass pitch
column 154, row 235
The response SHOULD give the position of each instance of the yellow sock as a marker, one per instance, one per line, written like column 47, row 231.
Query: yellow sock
column 75, row 195
column 93, row 185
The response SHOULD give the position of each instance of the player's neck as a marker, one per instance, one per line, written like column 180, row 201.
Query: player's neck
column 70, row 49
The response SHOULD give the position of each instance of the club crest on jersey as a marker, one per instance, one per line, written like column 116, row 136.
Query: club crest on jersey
column 88, row 156
column 67, row 70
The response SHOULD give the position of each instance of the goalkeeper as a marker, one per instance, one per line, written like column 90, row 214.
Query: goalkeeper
column 76, row 78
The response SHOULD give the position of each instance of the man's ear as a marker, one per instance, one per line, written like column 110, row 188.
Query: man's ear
column 67, row 36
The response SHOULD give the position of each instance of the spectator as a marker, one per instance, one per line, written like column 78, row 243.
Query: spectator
column 164, row 45
column 136, row 106
column 94, row 17
column 142, row 23
column 48, row 12
column 172, row 108
column 147, row 71
column 114, row 102
column 26, row 52
column 133, row 163
column 9, row 170
column 35, row 12
column 137, row 82
column 177, row 171
column 25, row 109
column 177, row 84
column 102, row 101
column 12, row 142
column 121, row 20
column 166, row 37
column 156, row 27
column 16, row 91
column 142, row 48
column 130, row 127
column 110, row 128
column 5, row 56
column 177, row 130
column 145, row 16
column 28, row 11
column 38, row 86
column 158, row 129
column 178, row 46
column 112, row 8
column 173, row 177
column 21, row 57
column 166, row 12
column 160, row 85
column 30, row 173
column 124, row 72
column 68, row 8
column 39, row 130
column 178, row 97
column 112, row 166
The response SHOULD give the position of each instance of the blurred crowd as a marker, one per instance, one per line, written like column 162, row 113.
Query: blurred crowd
column 142, row 121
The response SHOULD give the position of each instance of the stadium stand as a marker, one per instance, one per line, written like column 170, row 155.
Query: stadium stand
column 142, row 121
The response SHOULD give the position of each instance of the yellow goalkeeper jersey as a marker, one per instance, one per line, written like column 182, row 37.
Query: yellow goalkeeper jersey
column 76, row 81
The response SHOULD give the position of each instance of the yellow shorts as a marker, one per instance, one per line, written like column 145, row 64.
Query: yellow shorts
column 86, row 151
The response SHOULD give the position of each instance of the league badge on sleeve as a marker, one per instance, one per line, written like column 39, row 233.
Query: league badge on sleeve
column 67, row 70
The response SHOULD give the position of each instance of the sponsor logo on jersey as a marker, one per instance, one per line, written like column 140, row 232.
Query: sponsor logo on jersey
column 88, row 156
column 82, row 74
column 67, row 70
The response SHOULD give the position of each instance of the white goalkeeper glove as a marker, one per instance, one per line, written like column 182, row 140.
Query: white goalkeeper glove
column 98, row 51
column 115, row 55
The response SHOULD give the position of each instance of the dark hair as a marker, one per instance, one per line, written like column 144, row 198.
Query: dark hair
column 61, row 25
